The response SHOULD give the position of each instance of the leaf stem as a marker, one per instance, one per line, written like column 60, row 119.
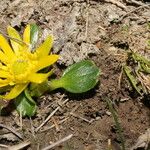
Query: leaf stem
column 38, row 90
column 55, row 84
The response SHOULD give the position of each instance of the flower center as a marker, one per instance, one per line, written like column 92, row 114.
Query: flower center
column 20, row 67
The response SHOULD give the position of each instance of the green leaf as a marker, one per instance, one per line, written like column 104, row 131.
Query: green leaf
column 148, row 25
column 34, row 32
column 78, row 78
column 132, row 79
column 25, row 105
column 148, row 43
column 145, row 68
column 28, row 96
column 140, row 59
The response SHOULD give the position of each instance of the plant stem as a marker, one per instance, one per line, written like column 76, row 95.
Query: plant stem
column 54, row 84
column 39, row 89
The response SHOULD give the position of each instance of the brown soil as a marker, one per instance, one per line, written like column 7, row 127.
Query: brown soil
column 84, row 30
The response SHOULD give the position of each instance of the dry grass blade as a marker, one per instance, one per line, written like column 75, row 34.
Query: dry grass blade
column 49, row 117
column 58, row 142
column 115, row 2
column 12, row 130
column 146, row 81
column 52, row 126
column 19, row 146
column 82, row 118
column 3, row 146
column 135, row 2
column 120, row 77
column 56, row 124
column 132, row 11
column 109, row 144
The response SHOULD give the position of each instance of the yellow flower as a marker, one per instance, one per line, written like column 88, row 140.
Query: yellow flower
column 19, row 66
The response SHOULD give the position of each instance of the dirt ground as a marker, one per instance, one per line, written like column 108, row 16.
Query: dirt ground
column 99, row 30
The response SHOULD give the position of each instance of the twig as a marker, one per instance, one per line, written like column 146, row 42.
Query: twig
column 32, row 127
column 120, row 77
column 38, row 146
column 58, row 142
column 129, row 12
column 74, row 109
column 87, row 23
column 117, row 3
column 52, row 126
column 135, row 2
column 109, row 144
column 101, row 28
column 4, row 146
column 14, row 39
column 77, row 116
column 56, row 124
column 48, row 118
column 19, row 146
column 20, row 119
column 145, row 81
column 88, row 136
column 12, row 130
column 82, row 118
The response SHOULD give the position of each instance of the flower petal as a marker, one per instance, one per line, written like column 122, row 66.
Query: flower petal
column 26, row 35
column 39, row 77
column 3, row 58
column 46, row 61
column 16, row 45
column 45, row 47
column 3, row 83
column 4, row 74
column 6, row 47
column 15, row 91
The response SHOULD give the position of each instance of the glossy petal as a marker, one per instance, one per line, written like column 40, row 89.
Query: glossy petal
column 46, row 61
column 15, row 91
column 19, row 63
column 26, row 35
column 3, row 57
column 4, row 74
column 16, row 45
column 3, row 83
column 6, row 48
column 45, row 47
column 39, row 77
